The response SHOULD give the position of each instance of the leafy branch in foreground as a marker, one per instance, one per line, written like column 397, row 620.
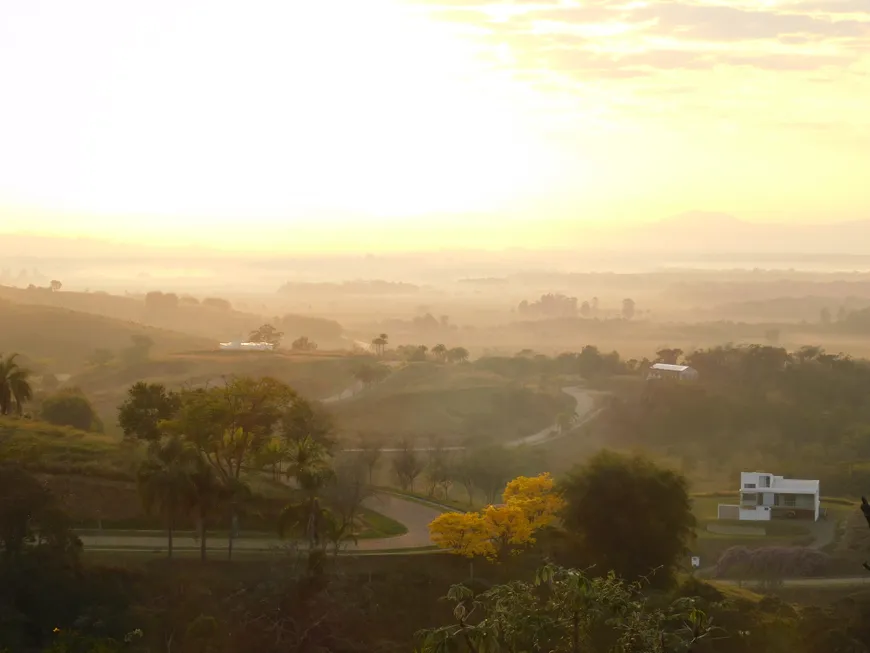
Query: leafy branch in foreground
column 566, row 611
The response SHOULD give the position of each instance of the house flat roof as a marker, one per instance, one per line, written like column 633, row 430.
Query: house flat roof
column 780, row 490
column 670, row 368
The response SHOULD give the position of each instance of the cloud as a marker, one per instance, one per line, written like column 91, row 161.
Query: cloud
column 721, row 23
column 833, row 6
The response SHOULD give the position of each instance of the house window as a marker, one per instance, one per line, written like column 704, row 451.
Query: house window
column 749, row 486
column 765, row 481
column 789, row 500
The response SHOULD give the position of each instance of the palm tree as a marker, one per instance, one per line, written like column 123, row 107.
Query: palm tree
column 310, row 466
column 165, row 483
column 380, row 344
column 15, row 388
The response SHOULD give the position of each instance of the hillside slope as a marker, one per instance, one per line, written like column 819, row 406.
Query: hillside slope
column 216, row 323
column 63, row 339
column 453, row 403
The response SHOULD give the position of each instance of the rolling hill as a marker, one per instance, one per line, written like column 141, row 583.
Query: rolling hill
column 61, row 340
column 215, row 323
column 452, row 403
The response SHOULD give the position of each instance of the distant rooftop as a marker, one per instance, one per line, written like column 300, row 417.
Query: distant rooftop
column 666, row 367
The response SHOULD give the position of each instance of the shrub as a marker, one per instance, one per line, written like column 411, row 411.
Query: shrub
column 771, row 562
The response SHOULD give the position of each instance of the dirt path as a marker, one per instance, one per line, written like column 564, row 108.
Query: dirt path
column 414, row 515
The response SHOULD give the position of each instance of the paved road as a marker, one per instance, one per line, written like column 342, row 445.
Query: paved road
column 414, row 515
column 803, row 582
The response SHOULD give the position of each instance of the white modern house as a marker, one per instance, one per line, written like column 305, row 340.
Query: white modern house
column 667, row 371
column 238, row 345
column 764, row 496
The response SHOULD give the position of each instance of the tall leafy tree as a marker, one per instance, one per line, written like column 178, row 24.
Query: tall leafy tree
column 457, row 355
column 15, row 388
column 629, row 515
column 231, row 425
column 268, row 334
column 146, row 405
column 165, row 481
column 302, row 419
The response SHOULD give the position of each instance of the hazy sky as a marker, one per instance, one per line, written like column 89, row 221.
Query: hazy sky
column 397, row 123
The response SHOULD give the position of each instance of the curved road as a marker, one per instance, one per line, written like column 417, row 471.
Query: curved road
column 584, row 411
column 414, row 515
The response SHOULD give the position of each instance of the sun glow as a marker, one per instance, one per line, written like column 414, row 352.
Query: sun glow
column 345, row 106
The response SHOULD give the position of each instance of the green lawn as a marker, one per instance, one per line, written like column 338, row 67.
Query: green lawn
column 376, row 525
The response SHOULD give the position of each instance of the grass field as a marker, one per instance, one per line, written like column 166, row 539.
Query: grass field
column 453, row 403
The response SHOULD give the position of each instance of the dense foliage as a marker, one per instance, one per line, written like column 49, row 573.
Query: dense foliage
column 564, row 611
column 629, row 515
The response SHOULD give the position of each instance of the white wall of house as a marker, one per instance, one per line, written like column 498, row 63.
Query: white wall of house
column 761, row 513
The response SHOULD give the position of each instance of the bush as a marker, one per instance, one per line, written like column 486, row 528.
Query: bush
column 71, row 408
column 771, row 562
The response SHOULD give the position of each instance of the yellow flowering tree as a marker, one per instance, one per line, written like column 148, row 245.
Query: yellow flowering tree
column 530, row 504
column 535, row 496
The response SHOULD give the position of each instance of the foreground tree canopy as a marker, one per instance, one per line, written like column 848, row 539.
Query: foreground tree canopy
column 565, row 611
column 628, row 515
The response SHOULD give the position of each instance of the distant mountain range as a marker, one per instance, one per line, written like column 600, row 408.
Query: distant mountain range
column 710, row 232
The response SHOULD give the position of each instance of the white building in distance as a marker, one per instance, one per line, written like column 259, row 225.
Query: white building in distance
column 764, row 496
column 238, row 345
column 667, row 371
